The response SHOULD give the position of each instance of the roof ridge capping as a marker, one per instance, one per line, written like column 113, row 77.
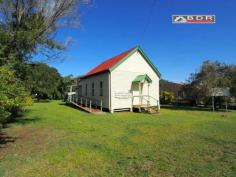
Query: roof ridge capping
column 113, row 62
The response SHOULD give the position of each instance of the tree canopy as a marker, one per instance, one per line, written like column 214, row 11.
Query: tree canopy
column 212, row 74
column 43, row 81
column 27, row 28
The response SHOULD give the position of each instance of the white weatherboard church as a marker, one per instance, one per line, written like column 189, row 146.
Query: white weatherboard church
column 124, row 82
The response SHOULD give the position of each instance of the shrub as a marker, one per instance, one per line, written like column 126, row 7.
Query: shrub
column 13, row 96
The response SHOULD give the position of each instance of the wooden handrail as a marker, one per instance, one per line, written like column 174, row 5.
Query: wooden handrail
column 89, row 102
column 143, row 97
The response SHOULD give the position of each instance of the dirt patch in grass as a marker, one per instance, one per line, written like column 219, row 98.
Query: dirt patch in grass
column 23, row 141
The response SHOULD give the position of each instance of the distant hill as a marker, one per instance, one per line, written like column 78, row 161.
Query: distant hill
column 166, row 85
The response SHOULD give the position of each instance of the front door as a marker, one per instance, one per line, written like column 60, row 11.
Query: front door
column 139, row 92
column 135, row 92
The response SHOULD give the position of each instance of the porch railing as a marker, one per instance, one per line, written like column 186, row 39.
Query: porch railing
column 85, row 102
column 147, row 98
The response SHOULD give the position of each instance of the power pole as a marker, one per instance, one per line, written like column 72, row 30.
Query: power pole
column 213, row 104
column 226, row 104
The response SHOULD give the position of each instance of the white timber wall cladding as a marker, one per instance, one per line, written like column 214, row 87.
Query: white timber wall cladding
column 125, row 73
column 96, row 79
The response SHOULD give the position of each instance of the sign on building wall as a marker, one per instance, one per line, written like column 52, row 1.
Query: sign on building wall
column 122, row 94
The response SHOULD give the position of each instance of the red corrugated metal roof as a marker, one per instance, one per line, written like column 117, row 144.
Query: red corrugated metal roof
column 106, row 65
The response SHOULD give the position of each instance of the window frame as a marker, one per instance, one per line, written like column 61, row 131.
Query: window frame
column 93, row 89
column 86, row 89
column 101, row 88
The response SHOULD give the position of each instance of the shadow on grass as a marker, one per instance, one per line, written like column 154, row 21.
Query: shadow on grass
column 25, row 120
column 42, row 101
column 186, row 108
column 63, row 104
column 4, row 139
column 21, row 118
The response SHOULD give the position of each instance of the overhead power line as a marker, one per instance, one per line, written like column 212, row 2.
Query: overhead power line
column 148, row 21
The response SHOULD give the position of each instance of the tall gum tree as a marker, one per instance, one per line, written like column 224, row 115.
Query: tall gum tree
column 27, row 28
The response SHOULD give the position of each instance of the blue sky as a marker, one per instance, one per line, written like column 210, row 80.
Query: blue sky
column 109, row 27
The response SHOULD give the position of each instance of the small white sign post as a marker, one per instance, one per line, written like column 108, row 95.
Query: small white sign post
column 220, row 92
column 213, row 103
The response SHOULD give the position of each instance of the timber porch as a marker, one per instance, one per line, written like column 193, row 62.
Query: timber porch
column 86, row 104
column 95, row 106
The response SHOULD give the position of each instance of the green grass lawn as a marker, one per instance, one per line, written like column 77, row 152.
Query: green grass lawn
column 55, row 140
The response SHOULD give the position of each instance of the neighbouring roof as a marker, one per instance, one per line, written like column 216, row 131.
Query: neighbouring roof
column 113, row 62
column 142, row 78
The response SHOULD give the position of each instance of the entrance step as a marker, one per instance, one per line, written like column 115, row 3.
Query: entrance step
column 147, row 109
column 153, row 110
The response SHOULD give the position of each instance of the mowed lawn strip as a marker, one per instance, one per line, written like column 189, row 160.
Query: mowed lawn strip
column 53, row 139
